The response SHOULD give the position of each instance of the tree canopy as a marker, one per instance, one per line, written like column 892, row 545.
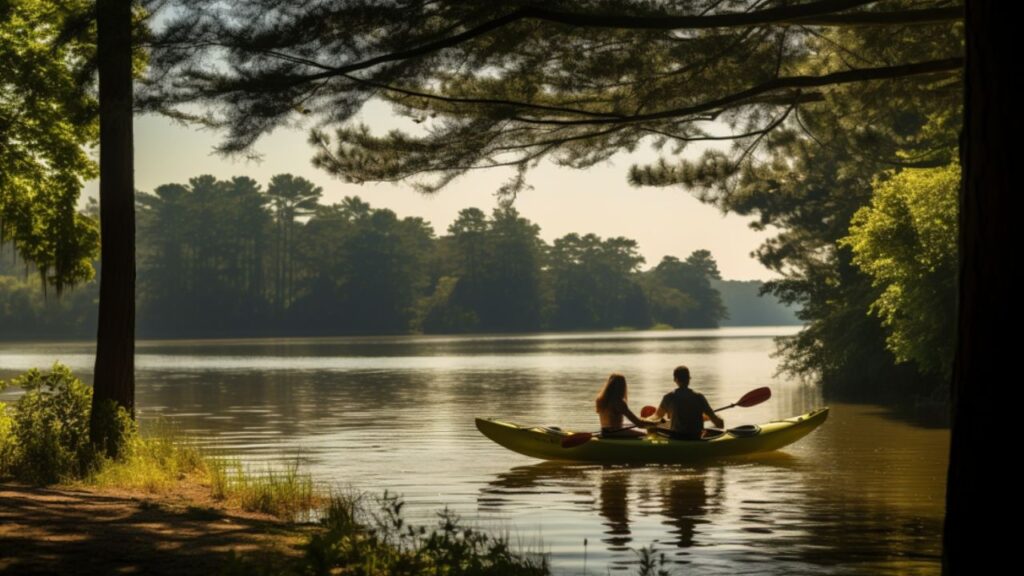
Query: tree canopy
column 575, row 82
column 47, row 123
column 798, row 106
column 906, row 241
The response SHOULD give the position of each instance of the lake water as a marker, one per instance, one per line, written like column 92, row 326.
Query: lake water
column 864, row 494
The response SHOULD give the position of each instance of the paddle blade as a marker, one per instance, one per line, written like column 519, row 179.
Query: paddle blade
column 577, row 439
column 755, row 397
column 647, row 411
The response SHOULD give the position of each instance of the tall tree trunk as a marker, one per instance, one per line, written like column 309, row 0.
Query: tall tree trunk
column 288, row 259
column 114, row 376
column 279, row 270
column 982, row 354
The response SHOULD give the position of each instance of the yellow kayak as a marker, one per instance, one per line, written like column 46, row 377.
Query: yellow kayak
column 546, row 442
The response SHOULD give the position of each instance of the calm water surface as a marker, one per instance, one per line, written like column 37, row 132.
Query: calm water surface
column 861, row 495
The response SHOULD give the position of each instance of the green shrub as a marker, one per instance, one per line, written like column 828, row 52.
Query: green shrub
column 116, row 431
column 7, row 440
column 51, row 426
column 45, row 438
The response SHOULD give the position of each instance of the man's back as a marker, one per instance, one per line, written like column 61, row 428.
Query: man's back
column 686, row 410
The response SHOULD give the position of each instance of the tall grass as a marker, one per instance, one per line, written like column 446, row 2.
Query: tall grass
column 156, row 462
column 283, row 492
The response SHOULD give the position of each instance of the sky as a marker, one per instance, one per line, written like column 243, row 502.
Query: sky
column 599, row 200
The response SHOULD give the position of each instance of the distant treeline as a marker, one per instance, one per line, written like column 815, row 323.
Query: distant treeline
column 229, row 258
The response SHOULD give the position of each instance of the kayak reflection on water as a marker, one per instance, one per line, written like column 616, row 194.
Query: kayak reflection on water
column 680, row 498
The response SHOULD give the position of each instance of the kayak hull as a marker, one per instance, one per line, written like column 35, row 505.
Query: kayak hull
column 546, row 443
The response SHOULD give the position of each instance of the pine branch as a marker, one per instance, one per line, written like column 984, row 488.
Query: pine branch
column 791, row 82
column 820, row 13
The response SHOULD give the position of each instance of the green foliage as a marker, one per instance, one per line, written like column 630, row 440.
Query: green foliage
column 26, row 312
column 290, row 197
column 45, row 438
column 8, row 441
column 808, row 182
column 671, row 307
column 47, row 120
column 441, row 313
column 691, row 278
column 368, row 537
column 361, row 270
column 497, row 264
column 203, row 254
column 504, row 86
column 808, row 178
column 594, row 283
column 112, row 429
column 905, row 240
column 50, row 431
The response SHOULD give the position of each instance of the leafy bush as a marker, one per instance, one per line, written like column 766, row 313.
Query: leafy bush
column 46, row 438
column 7, row 441
column 51, row 427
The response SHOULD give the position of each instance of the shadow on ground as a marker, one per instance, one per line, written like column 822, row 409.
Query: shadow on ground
column 70, row 531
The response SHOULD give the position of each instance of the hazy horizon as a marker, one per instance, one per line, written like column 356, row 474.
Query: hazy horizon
column 599, row 200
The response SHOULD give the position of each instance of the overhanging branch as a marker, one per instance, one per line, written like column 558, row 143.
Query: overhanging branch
column 792, row 82
column 821, row 13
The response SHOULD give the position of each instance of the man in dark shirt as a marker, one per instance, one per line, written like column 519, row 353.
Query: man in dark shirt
column 686, row 409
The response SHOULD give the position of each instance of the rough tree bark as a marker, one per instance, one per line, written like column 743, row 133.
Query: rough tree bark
column 982, row 352
column 114, row 375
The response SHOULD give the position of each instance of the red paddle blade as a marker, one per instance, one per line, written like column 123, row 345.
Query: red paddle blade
column 577, row 439
column 755, row 397
column 647, row 411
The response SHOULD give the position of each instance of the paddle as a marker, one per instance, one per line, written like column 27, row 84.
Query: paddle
column 752, row 398
column 573, row 440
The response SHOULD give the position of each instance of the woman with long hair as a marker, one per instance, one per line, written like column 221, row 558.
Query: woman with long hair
column 611, row 408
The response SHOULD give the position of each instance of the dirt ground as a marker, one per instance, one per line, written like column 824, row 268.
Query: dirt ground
column 62, row 530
